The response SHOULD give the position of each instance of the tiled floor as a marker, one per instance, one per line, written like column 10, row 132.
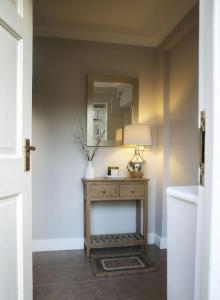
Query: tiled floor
column 66, row 275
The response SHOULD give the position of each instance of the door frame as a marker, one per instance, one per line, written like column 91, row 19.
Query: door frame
column 207, row 276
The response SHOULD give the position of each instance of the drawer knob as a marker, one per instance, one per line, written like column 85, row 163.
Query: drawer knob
column 132, row 190
column 103, row 191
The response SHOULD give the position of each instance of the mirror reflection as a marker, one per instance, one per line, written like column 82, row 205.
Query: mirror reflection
column 112, row 104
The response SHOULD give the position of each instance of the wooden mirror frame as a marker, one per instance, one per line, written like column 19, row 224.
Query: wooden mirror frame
column 105, row 78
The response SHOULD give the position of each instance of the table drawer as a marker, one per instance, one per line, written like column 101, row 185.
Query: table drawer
column 131, row 190
column 103, row 190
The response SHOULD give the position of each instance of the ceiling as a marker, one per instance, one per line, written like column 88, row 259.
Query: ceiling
column 132, row 22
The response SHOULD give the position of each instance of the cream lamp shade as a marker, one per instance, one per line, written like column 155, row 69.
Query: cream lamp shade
column 137, row 134
column 119, row 135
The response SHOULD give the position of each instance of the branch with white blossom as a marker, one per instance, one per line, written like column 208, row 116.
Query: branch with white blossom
column 80, row 139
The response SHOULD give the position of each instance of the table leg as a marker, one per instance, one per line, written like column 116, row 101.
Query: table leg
column 145, row 221
column 88, row 229
column 84, row 222
column 138, row 216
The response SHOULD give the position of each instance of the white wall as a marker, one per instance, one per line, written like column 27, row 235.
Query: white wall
column 59, row 100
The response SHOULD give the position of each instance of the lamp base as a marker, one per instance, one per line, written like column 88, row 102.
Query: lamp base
column 134, row 170
column 135, row 165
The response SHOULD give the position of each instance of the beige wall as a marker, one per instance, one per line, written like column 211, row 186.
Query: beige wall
column 59, row 100
column 177, row 118
column 183, row 107
column 168, row 102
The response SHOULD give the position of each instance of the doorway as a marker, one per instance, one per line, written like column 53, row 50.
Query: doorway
column 168, row 102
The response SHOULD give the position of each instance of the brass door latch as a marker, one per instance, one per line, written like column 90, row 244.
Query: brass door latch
column 202, row 149
column 28, row 148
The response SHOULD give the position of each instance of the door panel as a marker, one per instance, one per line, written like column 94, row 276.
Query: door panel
column 10, row 93
column 15, row 126
column 11, row 234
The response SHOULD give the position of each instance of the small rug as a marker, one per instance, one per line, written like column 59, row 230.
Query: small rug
column 122, row 264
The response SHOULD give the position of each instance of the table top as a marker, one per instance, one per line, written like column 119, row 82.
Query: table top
column 127, row 179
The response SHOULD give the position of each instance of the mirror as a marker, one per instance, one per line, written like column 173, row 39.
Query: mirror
column 112, row 103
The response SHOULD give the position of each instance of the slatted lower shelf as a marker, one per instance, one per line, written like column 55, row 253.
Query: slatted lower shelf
column 113, row 240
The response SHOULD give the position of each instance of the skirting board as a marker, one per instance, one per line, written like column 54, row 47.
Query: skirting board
column 78, row 243
column 57, row 244
column 160, row 242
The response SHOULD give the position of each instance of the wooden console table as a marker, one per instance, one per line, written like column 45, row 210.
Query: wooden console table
column 102, row 189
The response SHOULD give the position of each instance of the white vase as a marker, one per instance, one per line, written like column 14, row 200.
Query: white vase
column 90, row 171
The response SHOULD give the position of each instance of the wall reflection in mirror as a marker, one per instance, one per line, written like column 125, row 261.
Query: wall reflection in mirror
column 112, row 103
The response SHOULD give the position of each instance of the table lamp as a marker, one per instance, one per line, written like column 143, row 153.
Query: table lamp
column 137, row 135
column 119, row 136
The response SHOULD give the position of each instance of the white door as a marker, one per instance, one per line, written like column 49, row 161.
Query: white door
column 208, row 244
column 15, row 126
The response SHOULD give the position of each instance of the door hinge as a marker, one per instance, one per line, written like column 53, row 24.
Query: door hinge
column 202, row 149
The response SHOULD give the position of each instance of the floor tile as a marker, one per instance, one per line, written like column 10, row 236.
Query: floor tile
column 81, row 273
column 159, row 256
column 138, row 288
column 93, row 290
column 49, row 257
column 71, row 257
column 76, row 257
column 49, row 292
column 51, row 274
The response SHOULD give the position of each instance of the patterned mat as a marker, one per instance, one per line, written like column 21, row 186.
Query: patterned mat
column 122, row 264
